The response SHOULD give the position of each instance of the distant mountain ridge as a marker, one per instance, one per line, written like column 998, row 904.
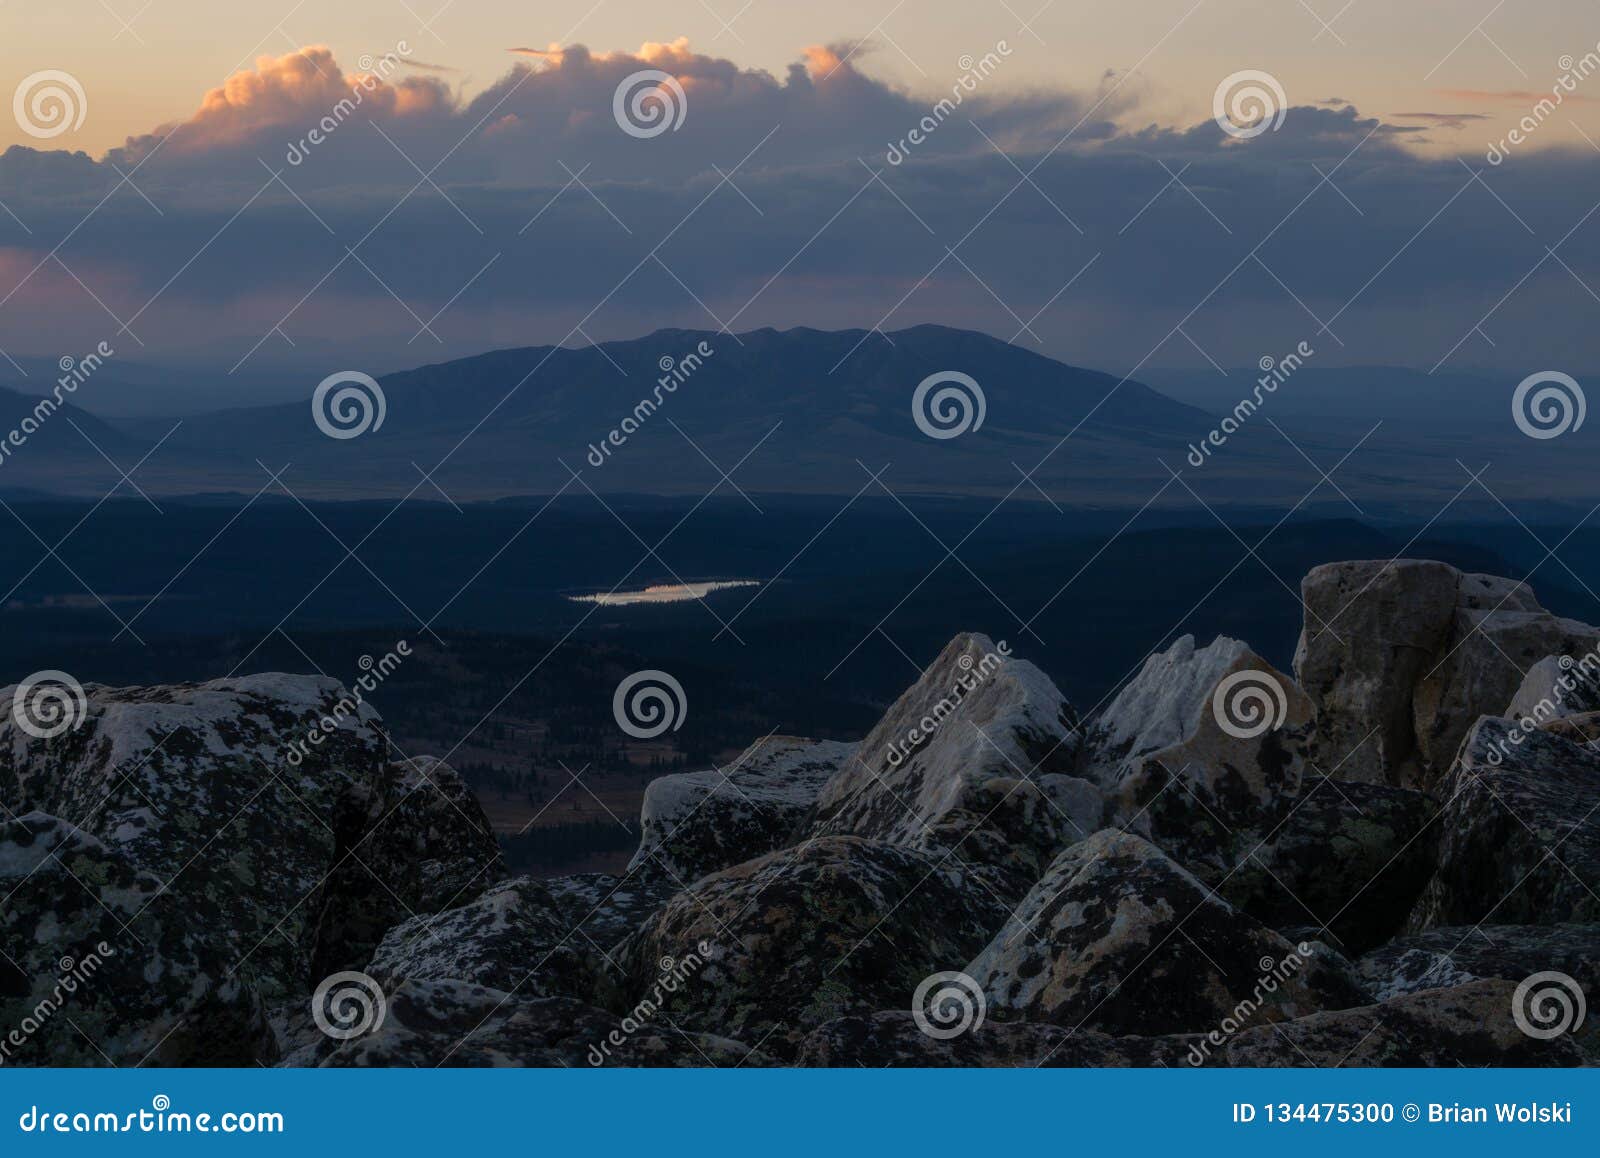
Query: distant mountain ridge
column 814, row 412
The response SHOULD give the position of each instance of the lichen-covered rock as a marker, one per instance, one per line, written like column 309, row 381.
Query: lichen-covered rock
column 979, row 728
column 195, row 784
column 1118, row 937
column 1343, row 858
column 603, row 909
column 1519, row 838
column 1458, row 954
column 514, row 937
column 1401, row 657
column 1470, row 1025
column 694, row 823
column 1237, row 734
column 459, row 1024
column 789, row 940
column 100, row 965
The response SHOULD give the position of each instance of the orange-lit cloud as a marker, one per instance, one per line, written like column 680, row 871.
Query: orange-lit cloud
column 295, row 89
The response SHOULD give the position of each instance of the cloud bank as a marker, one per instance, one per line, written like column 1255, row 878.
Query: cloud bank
column 307, row 212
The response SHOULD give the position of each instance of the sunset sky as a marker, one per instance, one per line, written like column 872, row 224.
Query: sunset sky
column 1082, row 199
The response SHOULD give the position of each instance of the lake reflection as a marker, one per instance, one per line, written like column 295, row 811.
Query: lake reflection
column 663, row 593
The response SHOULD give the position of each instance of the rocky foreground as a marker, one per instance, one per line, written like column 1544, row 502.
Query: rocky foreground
column 1390, row 858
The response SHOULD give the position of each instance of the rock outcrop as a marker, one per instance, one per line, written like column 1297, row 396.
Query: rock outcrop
column 695, row 823
column 514, row 937
column 1119, row 938
column 835, row 925
column 976, row 759
column 1520, row 841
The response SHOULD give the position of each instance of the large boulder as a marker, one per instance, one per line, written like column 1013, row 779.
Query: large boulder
column 1519, row 832
column 695, row 823
column 975, row 759
column 460, row 1024
column 1470, row 1025
column 1401, row 657
column 267, row 802
column 100, row 964
column 514, row 937
column 789, row 940
column 1120, row 938
column 216, row 789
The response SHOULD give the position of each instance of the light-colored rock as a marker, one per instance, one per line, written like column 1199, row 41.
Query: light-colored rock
column 1242, row 731
column 956, row 765
column 1401, row 657
column 695, row 823
column 1117, row 937
column 1556, row 687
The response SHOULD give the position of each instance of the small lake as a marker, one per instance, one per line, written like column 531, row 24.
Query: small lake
column 663, row 593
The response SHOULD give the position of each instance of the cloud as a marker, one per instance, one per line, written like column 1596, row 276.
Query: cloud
column 1444, row 120
column 525, row 214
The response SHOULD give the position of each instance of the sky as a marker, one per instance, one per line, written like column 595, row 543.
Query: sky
column 1079, row 197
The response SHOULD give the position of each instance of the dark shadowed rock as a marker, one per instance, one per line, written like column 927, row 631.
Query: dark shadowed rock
column 1519, row 832
column 453, row 1023
column 514, row 937
column 100, row 966
column 1470, row 1025
column 695, row 823
column 836, row 925
column 959, row 762
column 419, row 844
column 1118, row 937
column 1345, row 858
